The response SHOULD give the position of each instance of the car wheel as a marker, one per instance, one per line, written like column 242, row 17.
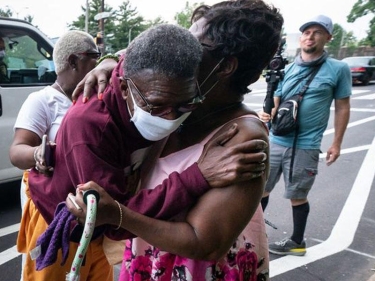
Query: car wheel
column 365, row 80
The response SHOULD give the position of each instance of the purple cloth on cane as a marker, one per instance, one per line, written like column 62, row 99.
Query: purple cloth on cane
column 55, row 237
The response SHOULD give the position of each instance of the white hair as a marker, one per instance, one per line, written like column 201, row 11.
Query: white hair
column 73, row 41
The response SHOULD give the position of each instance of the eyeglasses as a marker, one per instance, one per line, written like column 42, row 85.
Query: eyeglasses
column 93, row 55
column 162, row 110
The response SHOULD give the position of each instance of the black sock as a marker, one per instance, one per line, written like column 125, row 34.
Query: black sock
column 300, row 214
column 264, row 202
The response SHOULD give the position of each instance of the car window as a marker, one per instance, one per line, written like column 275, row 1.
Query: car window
column 26, row 60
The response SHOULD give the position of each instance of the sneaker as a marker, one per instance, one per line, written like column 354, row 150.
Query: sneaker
column 287, row 247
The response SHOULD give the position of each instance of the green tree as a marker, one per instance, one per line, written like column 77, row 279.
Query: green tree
column 183, row 18
column 7, row 13
column 362, row 8
column 94, row 28
column 350, row 43
column 130, row 24
column 338, row 37
column 123, row 25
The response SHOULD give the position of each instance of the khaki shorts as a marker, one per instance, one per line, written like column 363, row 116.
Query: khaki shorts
column 304, row 170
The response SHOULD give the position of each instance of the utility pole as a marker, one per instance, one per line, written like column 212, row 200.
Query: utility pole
column 130, row 35
column 87, row 17
column 102, row 29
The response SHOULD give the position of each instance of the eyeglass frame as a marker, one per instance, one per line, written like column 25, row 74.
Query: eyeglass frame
column 194, row 102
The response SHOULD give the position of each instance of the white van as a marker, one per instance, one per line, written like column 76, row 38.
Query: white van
column 28, row 59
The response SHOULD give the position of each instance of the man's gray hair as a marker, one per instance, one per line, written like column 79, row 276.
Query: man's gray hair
column 167, row 49
column 71, row 42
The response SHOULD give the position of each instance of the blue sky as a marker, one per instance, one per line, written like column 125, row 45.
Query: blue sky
column 52, row 16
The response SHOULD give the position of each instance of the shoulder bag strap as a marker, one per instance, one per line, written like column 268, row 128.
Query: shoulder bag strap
column 301, row 93
column 312, row 75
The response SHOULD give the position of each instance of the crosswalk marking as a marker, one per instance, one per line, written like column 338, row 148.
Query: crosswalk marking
column 8, row 255
column 357, row 92
column 365, row 97
column 9, row 229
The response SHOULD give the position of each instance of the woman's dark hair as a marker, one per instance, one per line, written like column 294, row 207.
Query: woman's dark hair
column 247, row 29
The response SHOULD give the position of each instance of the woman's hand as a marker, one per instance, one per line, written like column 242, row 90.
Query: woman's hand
column 222, row 166
column 95, row 81
column 40, row 161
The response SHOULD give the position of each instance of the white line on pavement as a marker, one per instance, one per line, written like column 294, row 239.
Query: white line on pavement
column 349, row 250
column 9, row 229
column 353, row 109
column 8, row 255
column 357, row 92
column 365, row 97
column 343, row 232
column 352, row 124
column 348, row 150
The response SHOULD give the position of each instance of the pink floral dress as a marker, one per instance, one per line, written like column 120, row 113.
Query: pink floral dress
column 247, row 260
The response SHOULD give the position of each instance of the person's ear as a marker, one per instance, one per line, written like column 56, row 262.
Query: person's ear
column 124, row 88
column 228, row 67
column 73, row 61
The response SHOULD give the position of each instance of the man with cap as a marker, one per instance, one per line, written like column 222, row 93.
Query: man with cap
column 331, row 82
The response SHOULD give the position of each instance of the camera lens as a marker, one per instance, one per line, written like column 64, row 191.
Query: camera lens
column 275, row 64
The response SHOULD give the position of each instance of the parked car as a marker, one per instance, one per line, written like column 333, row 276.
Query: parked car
column 28, row 59
column 362, row 68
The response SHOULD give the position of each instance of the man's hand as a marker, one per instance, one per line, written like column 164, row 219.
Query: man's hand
column 222, row 166
column 332, row 154
column 265, row 117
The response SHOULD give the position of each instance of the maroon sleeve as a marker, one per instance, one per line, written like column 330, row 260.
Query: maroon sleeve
column 166, row 200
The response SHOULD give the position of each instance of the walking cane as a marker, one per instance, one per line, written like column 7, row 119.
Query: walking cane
column 91, row 199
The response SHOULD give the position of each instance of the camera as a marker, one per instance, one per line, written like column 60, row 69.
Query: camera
column 274, row 73
column 278, row 62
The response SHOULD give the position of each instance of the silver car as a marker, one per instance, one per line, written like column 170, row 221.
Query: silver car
column 29, row 68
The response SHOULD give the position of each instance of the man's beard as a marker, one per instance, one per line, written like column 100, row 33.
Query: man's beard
column 310, row 50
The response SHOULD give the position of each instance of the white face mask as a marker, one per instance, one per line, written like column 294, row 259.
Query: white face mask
column 2, row 54
column 154, row 128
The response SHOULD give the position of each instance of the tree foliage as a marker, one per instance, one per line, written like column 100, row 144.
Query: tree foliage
column 123, row 25
column 338, row 37
column 360, row 9
column 183, row 18
column 9, row 13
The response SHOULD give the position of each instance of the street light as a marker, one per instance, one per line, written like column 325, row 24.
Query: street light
column 100, row 17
